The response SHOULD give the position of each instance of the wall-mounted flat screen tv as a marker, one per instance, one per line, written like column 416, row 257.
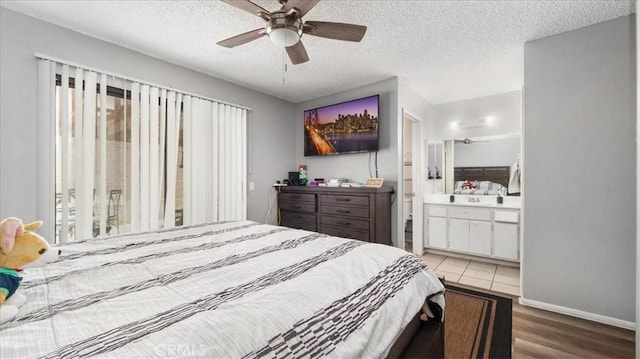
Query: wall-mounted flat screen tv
column 346, row 127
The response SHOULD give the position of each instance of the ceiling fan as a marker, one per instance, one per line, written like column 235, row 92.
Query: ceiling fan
column 468, row 141
column 285, row 27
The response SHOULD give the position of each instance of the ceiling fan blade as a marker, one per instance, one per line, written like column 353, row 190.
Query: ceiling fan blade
column 297, row 53
column 335, row 30
column 303, row 5
column 243, row 38
column 248, row 6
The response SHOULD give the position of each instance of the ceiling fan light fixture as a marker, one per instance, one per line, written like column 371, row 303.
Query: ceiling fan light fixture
column 285, row 27
column 284, row 37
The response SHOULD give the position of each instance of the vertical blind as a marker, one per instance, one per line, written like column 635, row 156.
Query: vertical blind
column 212, row 164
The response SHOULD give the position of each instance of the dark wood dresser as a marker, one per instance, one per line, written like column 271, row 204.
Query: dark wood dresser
column 362, row 213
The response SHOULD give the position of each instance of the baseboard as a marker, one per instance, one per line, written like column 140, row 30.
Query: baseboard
column 579, row 313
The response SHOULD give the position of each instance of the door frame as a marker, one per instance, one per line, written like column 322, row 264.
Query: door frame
column 417, row 174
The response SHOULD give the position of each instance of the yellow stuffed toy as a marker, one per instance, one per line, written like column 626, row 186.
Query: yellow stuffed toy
column 20, row 248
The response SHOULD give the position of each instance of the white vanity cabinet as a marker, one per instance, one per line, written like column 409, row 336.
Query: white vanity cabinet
column 480, row 237
column 458, row 235
column 470, row 236
column 481, row 231
column 437, row 224
column 469, row 229
column 506, row 234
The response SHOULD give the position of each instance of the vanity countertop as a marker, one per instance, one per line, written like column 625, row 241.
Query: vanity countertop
column 463, row 201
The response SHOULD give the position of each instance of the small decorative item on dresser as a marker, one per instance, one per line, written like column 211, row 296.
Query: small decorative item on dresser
column 303, row 175
column 374, row 182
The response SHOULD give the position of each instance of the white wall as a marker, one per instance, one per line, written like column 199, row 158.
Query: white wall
column 270, row 131
column 506, row 109
column 579, row 130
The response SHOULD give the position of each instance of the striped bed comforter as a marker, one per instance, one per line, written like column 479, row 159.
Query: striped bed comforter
column 222, row 290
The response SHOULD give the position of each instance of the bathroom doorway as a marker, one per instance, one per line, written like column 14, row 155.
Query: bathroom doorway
column 412, row 198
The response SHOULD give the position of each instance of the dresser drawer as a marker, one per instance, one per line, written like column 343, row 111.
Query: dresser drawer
column 362, row 212
column 297, row 206
column 300, row 225
column 344, row 222
column 467, row 213
column 342, row 200
column 358, row 213
column 287, row 216
column 507, row 216
column 297, row 197
column 345, row 232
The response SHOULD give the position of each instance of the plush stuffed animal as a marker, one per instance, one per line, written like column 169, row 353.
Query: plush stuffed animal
column 20, row 247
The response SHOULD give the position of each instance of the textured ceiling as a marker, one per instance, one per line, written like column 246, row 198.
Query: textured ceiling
column 445, row 50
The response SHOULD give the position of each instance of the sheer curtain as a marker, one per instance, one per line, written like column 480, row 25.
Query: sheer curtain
column 214, row 161
column 180, row 158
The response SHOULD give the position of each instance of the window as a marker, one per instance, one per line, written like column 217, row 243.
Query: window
column 125, row 156
column 118, row 154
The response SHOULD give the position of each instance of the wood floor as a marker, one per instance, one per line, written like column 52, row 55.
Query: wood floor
column 541, row 334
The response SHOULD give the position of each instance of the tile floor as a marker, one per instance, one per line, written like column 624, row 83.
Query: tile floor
column 498, row 278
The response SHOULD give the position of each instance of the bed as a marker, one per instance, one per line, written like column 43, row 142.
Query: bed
column 481, row 181
column 224, row 290
column 479, row 188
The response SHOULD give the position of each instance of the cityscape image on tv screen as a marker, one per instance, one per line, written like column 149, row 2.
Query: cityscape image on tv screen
column 342, row 128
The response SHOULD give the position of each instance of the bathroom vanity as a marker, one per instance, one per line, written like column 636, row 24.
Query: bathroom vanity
column 473, row 225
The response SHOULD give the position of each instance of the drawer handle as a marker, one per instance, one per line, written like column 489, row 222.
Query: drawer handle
column 296, row 207
column 299, row 217
column 295, row 197
column 342, row 211
column 344, row 223
column 343, row 199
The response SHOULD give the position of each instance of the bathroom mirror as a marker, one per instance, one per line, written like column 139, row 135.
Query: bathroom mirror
column 434, row 167
column 491, row 163
column 434, row 159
